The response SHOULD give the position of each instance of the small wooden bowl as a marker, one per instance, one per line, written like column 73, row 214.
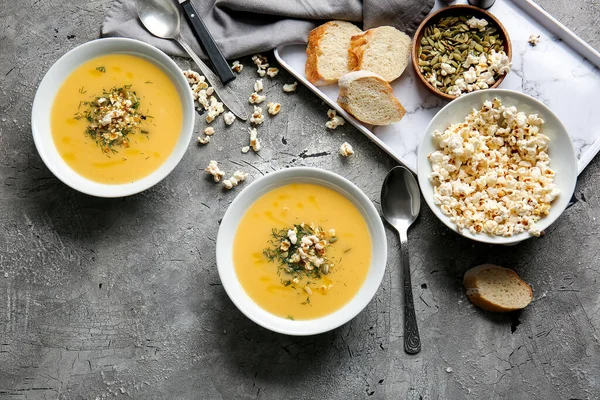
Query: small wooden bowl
column 456, row 10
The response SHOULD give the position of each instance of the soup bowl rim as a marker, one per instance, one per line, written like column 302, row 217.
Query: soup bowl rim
column 228, row 229
column 52, row 82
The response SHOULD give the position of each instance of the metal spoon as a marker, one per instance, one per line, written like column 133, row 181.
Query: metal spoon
column 161, row 18
column 401, row 202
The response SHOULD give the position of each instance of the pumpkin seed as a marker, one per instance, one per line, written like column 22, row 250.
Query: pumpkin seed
column 450, row 40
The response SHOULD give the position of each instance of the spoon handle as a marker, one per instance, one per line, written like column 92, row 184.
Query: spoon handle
column 412, row 341
column 225, row 93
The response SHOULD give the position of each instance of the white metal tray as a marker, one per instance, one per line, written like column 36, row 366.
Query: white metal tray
column 562, row 71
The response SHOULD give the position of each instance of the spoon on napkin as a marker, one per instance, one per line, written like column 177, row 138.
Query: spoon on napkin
column 401, row 203
column 161, row 18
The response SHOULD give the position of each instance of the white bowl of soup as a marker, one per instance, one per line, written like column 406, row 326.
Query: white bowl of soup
column 112, row 117
column 301, row 251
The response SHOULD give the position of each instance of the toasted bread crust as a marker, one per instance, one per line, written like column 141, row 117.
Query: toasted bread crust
column 342, row 99
column 360, row 44
column 356, row 51
column 312, row 53
column 472, row 289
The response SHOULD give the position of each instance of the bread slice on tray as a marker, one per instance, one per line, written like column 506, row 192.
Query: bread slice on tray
column 327, row 52
column 496, row 289
column 369, row 98
column 384, row 50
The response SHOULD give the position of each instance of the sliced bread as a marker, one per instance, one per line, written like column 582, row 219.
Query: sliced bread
column 327, row 52
column 369, row 98
column 496, row 289
column 384, row 50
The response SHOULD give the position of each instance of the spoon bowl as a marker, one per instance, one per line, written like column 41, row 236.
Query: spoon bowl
column 160, row 17
column 400, row 198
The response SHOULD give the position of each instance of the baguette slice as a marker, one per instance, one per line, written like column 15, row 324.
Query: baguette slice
column 369, row 98
column 496, row 289
column 327, row 52
column 384, row 50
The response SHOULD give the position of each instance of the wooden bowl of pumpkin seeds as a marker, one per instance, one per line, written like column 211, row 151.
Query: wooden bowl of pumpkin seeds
column 459, row 49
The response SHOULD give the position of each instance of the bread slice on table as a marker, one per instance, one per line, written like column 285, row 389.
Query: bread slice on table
column 369, row 98
column 384, row 50
column 496, row 289
column 327, row 52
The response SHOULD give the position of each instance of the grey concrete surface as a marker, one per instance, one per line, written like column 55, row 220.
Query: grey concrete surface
column 121, row 298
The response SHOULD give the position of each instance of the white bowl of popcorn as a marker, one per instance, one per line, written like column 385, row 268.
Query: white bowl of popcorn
column 497, row 166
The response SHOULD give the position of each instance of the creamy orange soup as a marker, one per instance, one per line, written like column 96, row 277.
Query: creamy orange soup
column 280, row 209
column 158, row 100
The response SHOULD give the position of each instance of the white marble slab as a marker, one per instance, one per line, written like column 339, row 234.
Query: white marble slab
column 552, row 72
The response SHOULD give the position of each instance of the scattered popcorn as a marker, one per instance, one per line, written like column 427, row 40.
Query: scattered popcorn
column 214, row 109
column 237, row 67
column 236, row 179
column 229, row 118
column 334, row 119
column 272, row 72
column 203, row 99
column 475, row 23
column 261, row 63
column 193, row 77
column 256, row 98
column 257, row 116
column 491, row 173
column 245, row 149
column 346, row 150
column 273, row 108
column 214, row 170
column 254, row 142
column 209, row 131
column 260, row 60
column 258, row 85
column 197, row 88
column 533, row 40
column 290, row 87
column 204, row 140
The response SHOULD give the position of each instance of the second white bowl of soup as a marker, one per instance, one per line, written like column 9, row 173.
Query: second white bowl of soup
column 301, row 251
column 112, row 117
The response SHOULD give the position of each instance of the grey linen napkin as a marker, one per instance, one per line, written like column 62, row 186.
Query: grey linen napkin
column 243, row 27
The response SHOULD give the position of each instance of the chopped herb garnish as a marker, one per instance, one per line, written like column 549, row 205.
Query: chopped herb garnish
column 82, row 90
column 112, row 117
column 101, row 69
column 290, row 317
column 149, row 82
column 307, row 301
column 300, row 254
